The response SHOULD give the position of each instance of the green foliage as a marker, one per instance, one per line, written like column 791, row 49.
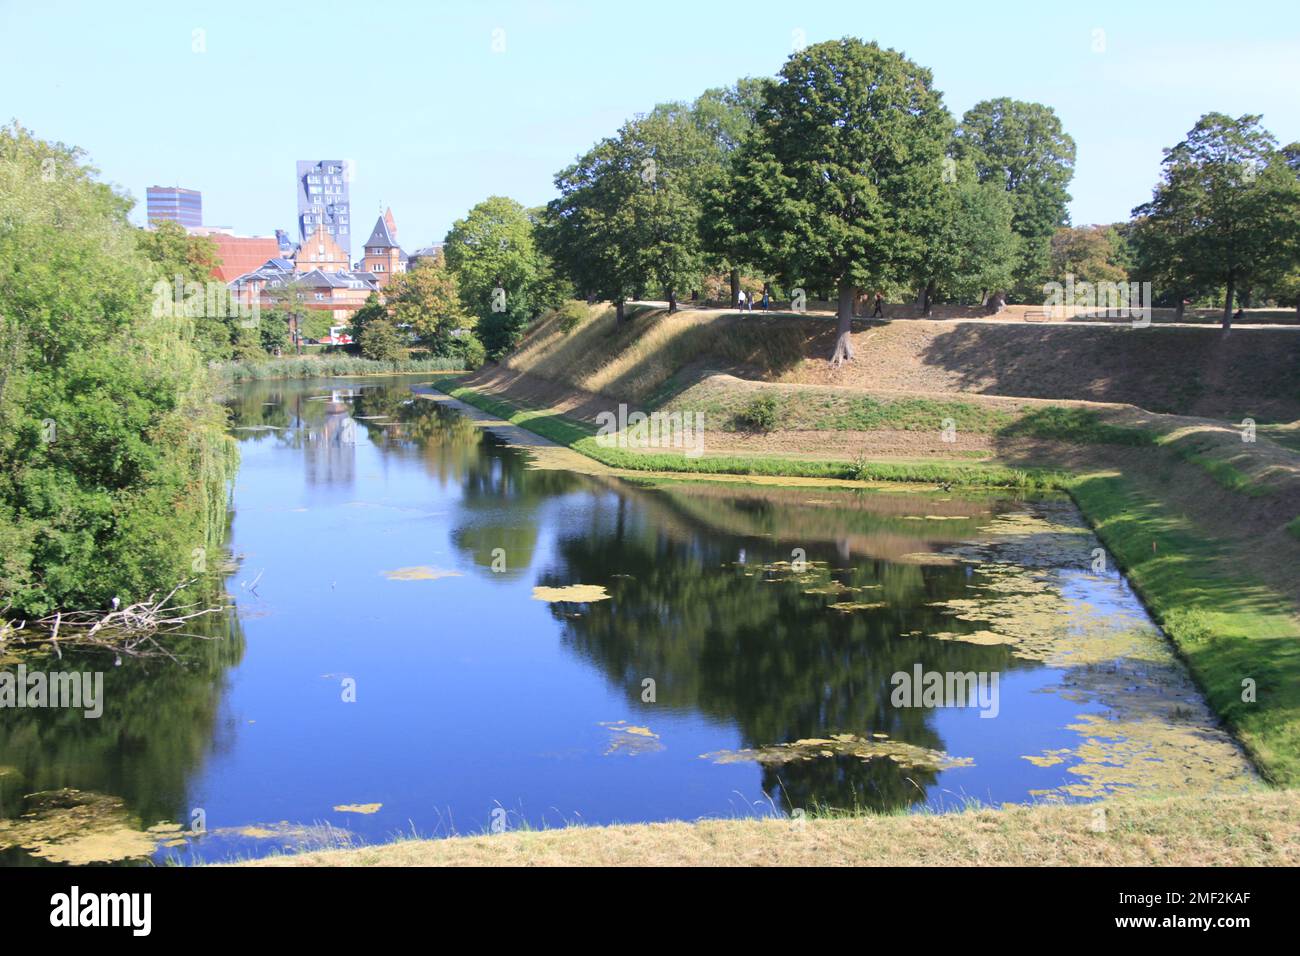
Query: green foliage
column 425, row 302
column 970, row 247
column 383, row 341
column 1022, row 148
column 571, row 315
column 1090, row 253
column 627, row 220
column 1225, row 214
column 761, row 414
column 503, row 277
column 113, row 460
column 846, row 153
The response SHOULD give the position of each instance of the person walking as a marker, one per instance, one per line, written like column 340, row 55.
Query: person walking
column 879, row 313
column 740, row 300
column 766, row 292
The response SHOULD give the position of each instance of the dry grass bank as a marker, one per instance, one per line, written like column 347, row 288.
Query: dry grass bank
column 1257, row 829
column 1191, row 371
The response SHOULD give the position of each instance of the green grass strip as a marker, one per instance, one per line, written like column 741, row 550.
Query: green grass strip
column 581, row 437
column 1230, row 630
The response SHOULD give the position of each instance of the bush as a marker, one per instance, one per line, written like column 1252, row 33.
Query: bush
column 383, row 341
column 760, row 415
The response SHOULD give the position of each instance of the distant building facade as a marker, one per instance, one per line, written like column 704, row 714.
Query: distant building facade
column 323, row 201
column 174, row 204
column 338, row 293
column 383, row 258
column 322, row 251
column 238, row 254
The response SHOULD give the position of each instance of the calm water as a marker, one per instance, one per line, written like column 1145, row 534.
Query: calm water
column 471, row 696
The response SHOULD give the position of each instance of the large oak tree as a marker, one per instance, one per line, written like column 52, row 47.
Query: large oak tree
column 846, row 153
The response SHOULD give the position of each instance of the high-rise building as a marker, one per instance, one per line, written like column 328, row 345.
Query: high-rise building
column 174, row 204
column 323, row 200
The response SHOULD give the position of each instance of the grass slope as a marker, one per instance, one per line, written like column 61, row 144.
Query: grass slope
column 581, row 437
column 1258, row 829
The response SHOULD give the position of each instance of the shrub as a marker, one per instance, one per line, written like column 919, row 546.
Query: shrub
column 760, row 415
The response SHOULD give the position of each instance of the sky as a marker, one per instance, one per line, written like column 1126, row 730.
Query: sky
column 440, row 104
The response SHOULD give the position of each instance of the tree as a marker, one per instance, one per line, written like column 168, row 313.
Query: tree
column 1023, row 148
column 503, row 277
column 628, row 215
column 114, row 459
column 289, row 307
column 383, row 341
column 969, row 245
column 175, row 253
column 847, row 152
column 1226, row 210
column 1089, row 253
column 426, row 302
column 372, row 310
column 726, row 115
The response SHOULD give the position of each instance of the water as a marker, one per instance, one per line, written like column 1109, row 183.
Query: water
column 386, row 647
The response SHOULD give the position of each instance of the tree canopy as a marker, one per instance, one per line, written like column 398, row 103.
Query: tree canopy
column 1023, row 148
column 846, row 154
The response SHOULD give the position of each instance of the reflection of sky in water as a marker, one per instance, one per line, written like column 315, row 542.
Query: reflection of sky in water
column 471, row 695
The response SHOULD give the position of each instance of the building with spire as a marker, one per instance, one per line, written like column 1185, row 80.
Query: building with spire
column 383, row 258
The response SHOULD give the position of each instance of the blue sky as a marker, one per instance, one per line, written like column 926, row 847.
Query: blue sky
column 434, row 119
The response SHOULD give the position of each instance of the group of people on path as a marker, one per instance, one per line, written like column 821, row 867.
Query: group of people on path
column 745, row 301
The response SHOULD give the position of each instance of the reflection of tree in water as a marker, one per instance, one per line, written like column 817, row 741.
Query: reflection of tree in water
column 160, row 721
column 756, row 651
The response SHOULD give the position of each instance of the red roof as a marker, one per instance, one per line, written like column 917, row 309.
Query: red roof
column 241, row 254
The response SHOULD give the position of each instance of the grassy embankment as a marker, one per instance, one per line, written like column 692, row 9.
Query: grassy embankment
column 1256, row 829
column 581, row 437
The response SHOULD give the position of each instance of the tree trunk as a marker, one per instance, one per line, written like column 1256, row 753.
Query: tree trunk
column 672, row 301
column 735, row 286
column 843, row 330
column 1227, row 302
column 1182, row 307
column 618, row 312
column 927, row 299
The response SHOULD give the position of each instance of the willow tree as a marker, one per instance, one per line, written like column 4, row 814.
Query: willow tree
column 846, row 153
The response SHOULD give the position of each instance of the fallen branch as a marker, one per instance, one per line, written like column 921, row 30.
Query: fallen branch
column 132, row 630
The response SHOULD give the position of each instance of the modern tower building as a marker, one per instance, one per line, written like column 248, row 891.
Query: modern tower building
column 174, row 204
column 323, row 200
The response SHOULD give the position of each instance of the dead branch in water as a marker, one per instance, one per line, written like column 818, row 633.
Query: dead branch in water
column 132, row 630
